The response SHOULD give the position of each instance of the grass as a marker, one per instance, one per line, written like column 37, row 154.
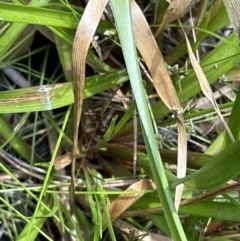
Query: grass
column 136, row 157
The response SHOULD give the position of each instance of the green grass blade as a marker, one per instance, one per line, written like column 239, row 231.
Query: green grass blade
column 10, row 36
column 42, row 215
column 36, row 226
column 48, row 97
column 123, row 121
column 43, row 16
column 233, row 122
column 64, row 52
column 122, row 16
column 104, row 201
column 218, row 210
column 18, row 144
column 216, row 172
column 48, row 177
column 73, row 223
column 108, row 134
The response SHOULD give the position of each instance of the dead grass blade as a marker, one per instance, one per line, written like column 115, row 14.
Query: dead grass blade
column 152, row 56
column 174, row 10
column 205, row 86
column 233, row 10
column 83, row 38
column 63, row 161
column 125, row 200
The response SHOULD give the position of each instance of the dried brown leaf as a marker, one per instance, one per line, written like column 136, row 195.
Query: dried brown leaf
column 126, row 200
column 152, row 56
column 174, row 10
column 63, row 161
column 233, row 10
column 205, row 86
column 83, row 38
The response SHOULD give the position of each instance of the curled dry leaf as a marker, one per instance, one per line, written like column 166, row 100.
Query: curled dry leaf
column 83, row 38
column 152, row 56
column 126, row 199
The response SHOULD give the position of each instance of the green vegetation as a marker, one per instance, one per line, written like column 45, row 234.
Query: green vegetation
column 109, row 129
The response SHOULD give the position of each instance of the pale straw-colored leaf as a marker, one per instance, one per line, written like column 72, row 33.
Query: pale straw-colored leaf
column 174, row 10
column 83, row 38
column 127, row 199
column 152, row 56
column 62, row 161
column 233, row 10
column 205, row 86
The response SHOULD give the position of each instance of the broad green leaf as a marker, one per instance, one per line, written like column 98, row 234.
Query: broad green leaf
column 160, row 222
column 9, row 36
column 216, row 145
column 207, row 209
column 216, row 172
column 43, row 16
column 64, row 52
column 17, row 28
column 233, row 122
column 48, row 97
column 218, row 210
